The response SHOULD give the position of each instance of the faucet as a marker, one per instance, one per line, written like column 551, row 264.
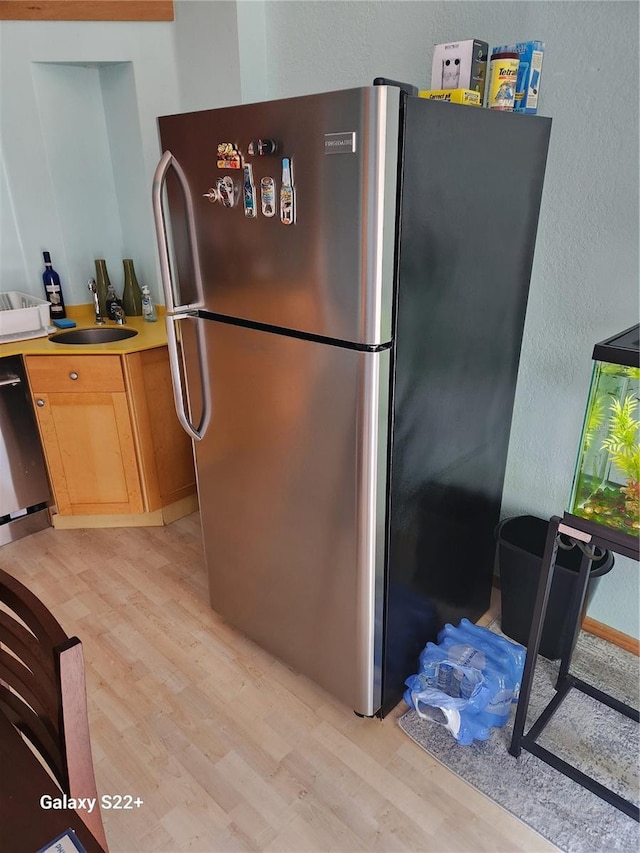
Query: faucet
column 99, row 321
column 118, row 314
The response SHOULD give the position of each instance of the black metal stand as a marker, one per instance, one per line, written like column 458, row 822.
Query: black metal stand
column 586, row 536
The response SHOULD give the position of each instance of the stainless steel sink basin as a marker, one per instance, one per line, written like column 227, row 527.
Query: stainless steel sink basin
column 97, row 335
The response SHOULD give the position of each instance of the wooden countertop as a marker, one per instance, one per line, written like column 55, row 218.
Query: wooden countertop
column 149, row 335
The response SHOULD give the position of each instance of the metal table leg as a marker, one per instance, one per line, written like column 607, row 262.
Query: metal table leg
column 535, row 634
column 565, row 681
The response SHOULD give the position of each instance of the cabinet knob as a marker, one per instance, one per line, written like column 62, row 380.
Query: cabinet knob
column 40, row 403
column 73, row 375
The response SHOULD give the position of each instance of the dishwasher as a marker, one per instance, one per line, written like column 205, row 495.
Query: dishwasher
column 24, row 487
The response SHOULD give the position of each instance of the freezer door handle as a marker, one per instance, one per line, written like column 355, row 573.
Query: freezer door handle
column 180, row 312
column 168, row 161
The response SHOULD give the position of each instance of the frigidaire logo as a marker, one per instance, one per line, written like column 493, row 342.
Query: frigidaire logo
column 340, row 143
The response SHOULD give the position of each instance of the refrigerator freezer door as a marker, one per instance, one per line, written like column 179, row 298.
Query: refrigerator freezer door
column 328, row 273
column 293, row 478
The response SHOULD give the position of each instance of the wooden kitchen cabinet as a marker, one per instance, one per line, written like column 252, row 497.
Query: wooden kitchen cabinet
column 114, row 448
column 165, row 450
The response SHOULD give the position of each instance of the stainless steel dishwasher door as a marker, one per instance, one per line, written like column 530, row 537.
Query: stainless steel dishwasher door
column 24, row 487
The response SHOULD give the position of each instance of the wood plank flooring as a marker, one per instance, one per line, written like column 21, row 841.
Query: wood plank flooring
column 229, row 749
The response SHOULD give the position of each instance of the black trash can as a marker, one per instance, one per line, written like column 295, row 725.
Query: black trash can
column 519, row 554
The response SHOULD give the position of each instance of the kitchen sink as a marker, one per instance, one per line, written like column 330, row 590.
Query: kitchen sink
column 97, row 335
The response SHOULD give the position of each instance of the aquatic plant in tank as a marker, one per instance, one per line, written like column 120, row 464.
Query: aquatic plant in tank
column 606, row 487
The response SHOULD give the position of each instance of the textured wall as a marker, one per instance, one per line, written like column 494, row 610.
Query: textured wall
column 79, row 140
column 585, row 276
column 79, row 144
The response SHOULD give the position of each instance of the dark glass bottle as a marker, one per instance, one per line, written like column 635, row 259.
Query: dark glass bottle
column 53, row 289
column 112, row 301
column 102, row 285
column 131, row 293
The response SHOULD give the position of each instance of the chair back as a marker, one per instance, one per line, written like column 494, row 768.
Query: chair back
column 43, row 693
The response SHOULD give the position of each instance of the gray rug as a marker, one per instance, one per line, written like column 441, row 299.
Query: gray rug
column 596, row 739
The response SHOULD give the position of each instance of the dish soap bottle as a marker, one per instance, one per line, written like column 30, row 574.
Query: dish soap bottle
column 52, row 288
column 148, row 308
column 131, row 295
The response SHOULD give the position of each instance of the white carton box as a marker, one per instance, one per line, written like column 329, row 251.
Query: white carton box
column 460, row 65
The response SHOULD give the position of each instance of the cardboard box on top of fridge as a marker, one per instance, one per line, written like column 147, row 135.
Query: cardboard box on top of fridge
column 529, row 73
column 454, row 96
column 460, row 65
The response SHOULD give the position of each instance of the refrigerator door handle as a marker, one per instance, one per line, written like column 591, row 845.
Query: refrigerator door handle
column 168, row 161
column 174, row 312
column 196, row 433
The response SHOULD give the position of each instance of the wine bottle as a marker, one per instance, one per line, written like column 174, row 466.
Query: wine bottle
column 53, row 289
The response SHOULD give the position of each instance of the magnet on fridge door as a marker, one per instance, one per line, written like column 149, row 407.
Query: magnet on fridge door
column 262, row 147
column 249, row 193
column 287, row 211
column 211, row 195
column 229, row 156
column 226, row 191
column 267, row 196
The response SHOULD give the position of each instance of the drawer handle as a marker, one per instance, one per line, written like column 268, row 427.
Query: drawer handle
column 40, row 403
column 73, row 375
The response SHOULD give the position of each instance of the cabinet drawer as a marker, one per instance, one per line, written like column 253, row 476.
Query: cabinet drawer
column 69, row 373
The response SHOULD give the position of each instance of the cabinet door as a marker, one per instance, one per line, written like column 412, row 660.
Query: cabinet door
column 165, row 451
column 87, row 435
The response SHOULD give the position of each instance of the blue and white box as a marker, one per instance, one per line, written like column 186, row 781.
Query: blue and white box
column 529, row 73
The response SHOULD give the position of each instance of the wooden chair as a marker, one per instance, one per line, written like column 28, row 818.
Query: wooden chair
column 43, row 694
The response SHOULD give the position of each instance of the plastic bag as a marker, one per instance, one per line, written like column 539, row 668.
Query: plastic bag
column 498, row 692
column 503, row 653
column 467, row 681
column 455, row 714
column 492, row 699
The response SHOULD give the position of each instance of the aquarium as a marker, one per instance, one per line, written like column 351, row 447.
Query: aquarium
column 606, row 484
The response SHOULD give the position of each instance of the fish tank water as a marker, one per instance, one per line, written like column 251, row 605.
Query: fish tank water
column 606, row 483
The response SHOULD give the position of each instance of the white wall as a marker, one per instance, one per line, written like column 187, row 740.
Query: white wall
column 585, row 276
column 207, row 53
column 78, row 137
column 79, row 144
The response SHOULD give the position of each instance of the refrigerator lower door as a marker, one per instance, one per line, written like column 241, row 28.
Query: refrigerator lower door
column 292, row 486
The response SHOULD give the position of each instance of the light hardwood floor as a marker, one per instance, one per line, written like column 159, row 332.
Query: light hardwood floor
column 228, row 748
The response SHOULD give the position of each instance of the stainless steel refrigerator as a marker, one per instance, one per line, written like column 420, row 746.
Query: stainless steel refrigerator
column 346, row 276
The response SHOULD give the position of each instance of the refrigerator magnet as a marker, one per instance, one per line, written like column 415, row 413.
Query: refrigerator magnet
column 228, row 156
column 249, row 193
column 226, row 191
column 262, row 147
column 286, row 193
column 267, row 196
column 211, row 195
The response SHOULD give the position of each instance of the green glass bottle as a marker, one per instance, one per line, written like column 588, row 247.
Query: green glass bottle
column 131, row 294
